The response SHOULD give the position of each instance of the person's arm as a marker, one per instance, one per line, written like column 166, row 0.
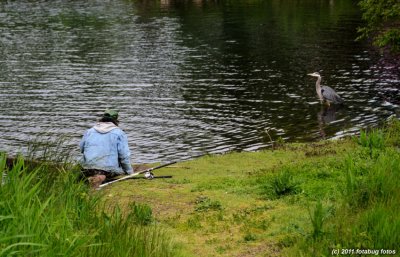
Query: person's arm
column 124, row 154
column 82, row 143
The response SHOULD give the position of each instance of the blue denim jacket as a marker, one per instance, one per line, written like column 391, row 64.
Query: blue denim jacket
column 105, row 147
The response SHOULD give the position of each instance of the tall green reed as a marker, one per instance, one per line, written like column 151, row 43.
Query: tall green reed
column 47, row 148
column 373, row 140
column 57, row 215
column 366, row 215
column 375, row 203
column 318, row 215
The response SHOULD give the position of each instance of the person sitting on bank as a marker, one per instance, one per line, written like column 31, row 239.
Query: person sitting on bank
column 105, row 150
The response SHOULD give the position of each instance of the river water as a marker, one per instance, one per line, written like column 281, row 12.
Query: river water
column 189, row 77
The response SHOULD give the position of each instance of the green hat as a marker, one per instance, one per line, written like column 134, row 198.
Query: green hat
column 111, row 114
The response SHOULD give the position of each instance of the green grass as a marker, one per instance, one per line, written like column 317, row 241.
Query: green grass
column 366, row 215
column 297, row 200
column 141, row 213
column 39, row 217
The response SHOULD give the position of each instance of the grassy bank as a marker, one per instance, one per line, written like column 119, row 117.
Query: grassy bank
column 47, row 211
column 298, row 200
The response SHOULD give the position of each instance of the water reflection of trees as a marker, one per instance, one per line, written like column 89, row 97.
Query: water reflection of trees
column 88, row 31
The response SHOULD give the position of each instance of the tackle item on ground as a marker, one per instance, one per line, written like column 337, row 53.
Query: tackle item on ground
column 149, row 175
column 136, row 173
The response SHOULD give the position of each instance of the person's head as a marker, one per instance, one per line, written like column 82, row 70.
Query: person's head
column 110, row 115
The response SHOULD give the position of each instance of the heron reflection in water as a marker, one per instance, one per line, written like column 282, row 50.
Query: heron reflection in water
column 326, row 93
column 325, row 116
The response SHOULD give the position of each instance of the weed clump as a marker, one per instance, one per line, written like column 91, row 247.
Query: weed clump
column 373, row 139
column 141, row 213
column 281, row 184
column 203, row 204
column 194, row 222
column 249, row 237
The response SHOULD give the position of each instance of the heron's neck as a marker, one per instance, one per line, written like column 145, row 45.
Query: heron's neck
column 318, row 87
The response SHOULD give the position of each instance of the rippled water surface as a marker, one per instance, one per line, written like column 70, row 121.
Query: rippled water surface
column 189, row 77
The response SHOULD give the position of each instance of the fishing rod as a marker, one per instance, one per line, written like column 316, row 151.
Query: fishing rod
column 137, row 173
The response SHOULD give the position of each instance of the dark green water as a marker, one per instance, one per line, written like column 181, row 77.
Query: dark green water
column 189, row 77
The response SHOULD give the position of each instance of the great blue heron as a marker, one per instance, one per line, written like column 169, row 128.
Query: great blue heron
column 326, row 93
